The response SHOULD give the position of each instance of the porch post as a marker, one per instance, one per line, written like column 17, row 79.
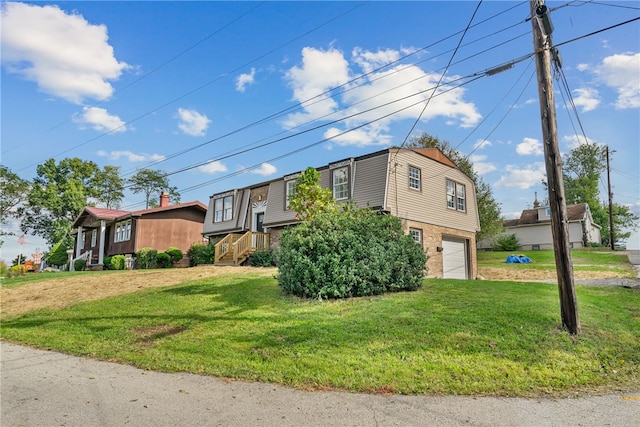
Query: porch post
column 101, row 247
column 79, row 238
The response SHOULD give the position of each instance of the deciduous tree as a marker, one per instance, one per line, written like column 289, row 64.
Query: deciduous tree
column 13, row 192
column 309, row 198
column 152, row 182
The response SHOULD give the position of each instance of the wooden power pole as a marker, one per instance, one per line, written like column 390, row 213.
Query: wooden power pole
column 612, row 240
column 542, row 29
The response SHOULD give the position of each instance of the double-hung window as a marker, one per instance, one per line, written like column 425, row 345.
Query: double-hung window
column 414, row 177
column 456, row 196
column 94, row 237
column 341, row 183
column 416, row 234
column 223, row 209
column 290, row 191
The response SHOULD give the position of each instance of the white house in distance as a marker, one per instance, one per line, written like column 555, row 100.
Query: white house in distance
column 533, row 228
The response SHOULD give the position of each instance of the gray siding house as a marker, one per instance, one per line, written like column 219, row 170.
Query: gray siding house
column 433, row 198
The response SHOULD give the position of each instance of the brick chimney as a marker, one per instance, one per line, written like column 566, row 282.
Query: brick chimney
column 164, row 199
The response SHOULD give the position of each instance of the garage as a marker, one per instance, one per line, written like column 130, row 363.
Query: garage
column 454, row 258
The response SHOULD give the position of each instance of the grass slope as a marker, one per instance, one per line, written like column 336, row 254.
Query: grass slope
column 450, row 337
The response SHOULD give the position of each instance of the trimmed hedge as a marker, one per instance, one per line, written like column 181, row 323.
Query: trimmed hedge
column 147, row 258
column 352, row 253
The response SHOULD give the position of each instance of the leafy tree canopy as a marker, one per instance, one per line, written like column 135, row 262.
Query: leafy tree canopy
column 309, row 198
column 57, row 196
column 152, row 182
column 582, row 170
column 13, row 193
column 488, row 208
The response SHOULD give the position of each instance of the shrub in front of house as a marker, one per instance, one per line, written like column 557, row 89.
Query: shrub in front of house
column 201, row 253
column 80, row 264
column 118, row 262
column 352, row 253
column 175, row 254
column 106, row 263
column 264, row 258
column 147, row 258
column 163, row 259
column 506, row 242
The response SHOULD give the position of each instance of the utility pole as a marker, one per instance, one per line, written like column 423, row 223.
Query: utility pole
column 542, row 29
column 611, row 236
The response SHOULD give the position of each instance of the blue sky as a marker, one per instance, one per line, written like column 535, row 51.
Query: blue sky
column 184, row 86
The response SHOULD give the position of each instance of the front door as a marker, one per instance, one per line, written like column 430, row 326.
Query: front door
column 259, row 222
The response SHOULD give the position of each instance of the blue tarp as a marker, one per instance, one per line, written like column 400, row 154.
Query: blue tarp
column 517, row 259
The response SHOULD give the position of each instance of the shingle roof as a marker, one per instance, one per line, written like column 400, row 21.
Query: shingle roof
column 530, row 216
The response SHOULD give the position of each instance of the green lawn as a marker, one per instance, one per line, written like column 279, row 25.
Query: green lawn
column 450, row 337
column 583, row 260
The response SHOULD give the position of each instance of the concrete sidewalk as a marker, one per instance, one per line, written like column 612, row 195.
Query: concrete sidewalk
column 42, row 388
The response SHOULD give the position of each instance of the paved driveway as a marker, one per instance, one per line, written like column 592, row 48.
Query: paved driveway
column 42, row 388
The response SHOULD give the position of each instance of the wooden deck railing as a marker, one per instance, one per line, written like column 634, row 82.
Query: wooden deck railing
column 237, row 247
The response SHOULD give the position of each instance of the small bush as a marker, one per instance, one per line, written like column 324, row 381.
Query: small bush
column 80, row 265
column 264, row 258
column 175, row 254
column 147, row 258
column 506, row 242
column 352, row 253
column 16, row 271
column 4, row 269
column 200, row 253
column 106, row 263
column 118, row 262
column 164, row 260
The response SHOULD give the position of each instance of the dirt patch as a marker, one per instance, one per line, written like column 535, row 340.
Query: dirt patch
column 61, row 292
column 532, row 275
column 149, row 334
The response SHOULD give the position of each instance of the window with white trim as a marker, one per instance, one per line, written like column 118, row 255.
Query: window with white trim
column 123, row 231
column 414, row 178
column 340, row 183
column 456, row 196
column 290, row 191
column 94, row 237
column 223, row 209
column 416, row 234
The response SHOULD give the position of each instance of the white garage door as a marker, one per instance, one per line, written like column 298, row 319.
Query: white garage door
column 454, row 259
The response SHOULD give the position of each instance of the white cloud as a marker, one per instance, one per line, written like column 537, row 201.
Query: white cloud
column 132, row 157
column 245, row 79
column 380, row 98
column 100, row 120
column 63, row 53
column 482, row 143
column 370, row 61
column 192, row 123
column 587, row 98
column 265, row 169
column 213, row 167
column 321, row 70
column 529, row 147
column 575, row 140
column 582, row 67
column 524, row 178
column 620, row 72
column 480, row 166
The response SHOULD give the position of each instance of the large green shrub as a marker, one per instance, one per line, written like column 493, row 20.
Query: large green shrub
column 175, row 254
column 506, row 242
column 118, row 262
column 351, row 253
column 106, row 263
column 200, row 253
column 147, row 258
column 163, row 259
